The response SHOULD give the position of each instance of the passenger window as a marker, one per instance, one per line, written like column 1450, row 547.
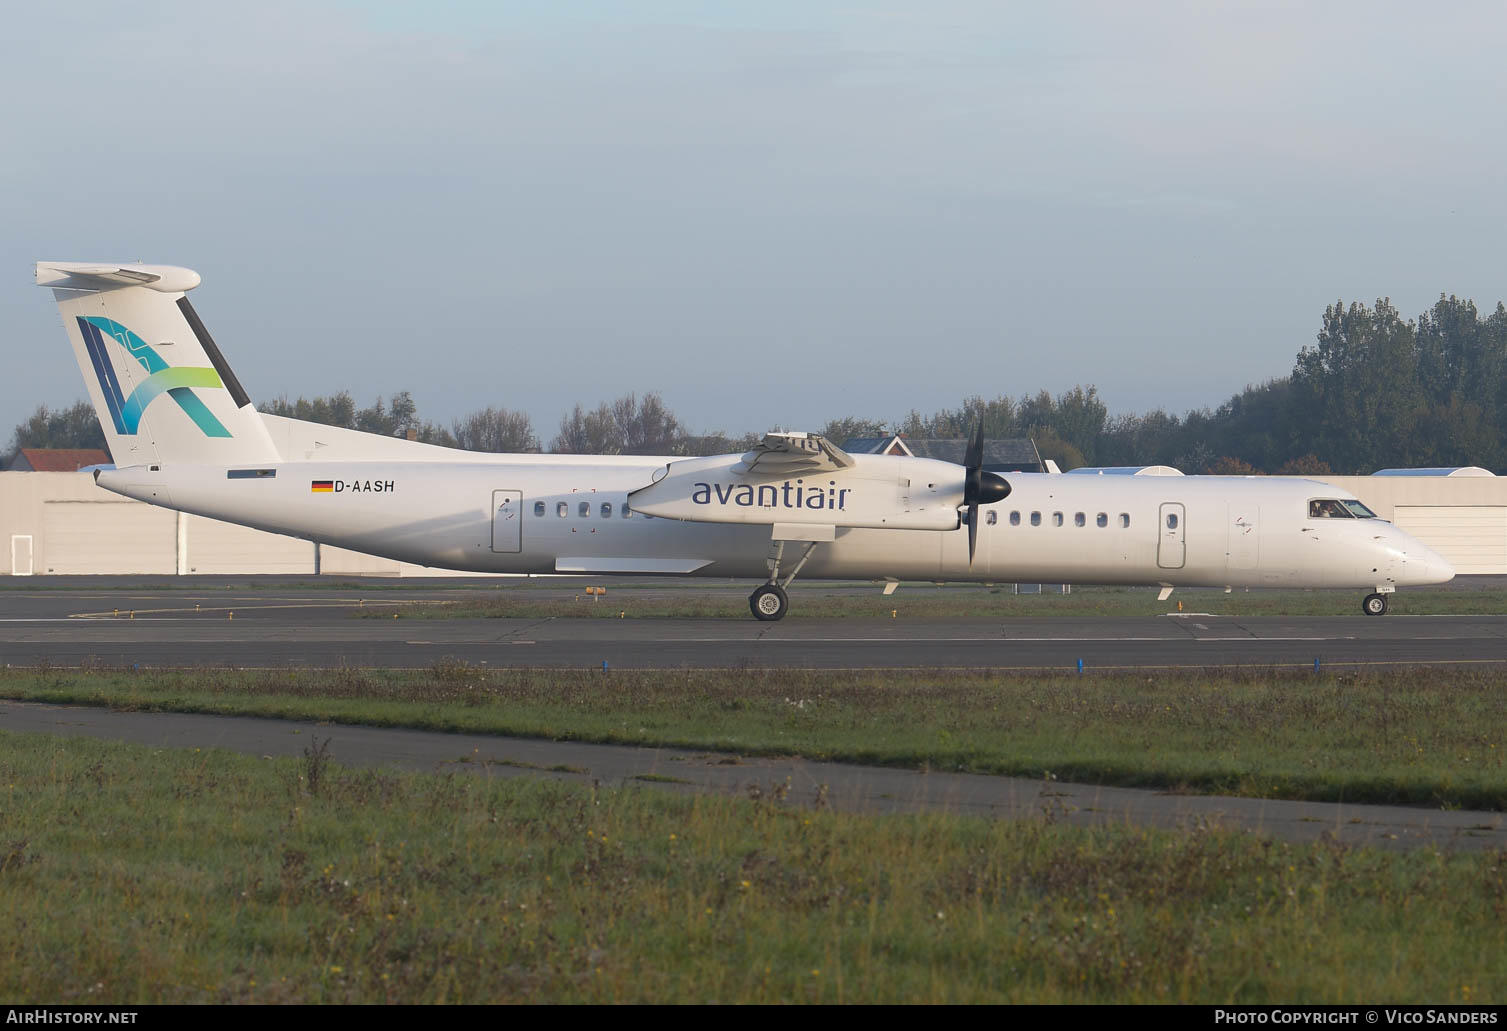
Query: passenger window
column 1172, row 520
column 1102, row 519
column 538, row 508
column 991, row 518
column 562, row 510
column 606, row 510
column 584, row 510
column 1014, row 518
column 1035, row 518
column 1079, row 520
column 1124, row 520
column 1056, row 518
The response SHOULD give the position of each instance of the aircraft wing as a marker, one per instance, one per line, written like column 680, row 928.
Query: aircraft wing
column 784, row 454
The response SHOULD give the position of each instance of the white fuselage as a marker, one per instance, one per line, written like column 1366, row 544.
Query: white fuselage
column 549, row 514
column 187, row 436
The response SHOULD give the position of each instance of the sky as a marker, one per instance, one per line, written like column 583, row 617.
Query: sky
column 773, row 213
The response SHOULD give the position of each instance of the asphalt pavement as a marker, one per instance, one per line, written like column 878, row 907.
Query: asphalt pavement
column 289, row 625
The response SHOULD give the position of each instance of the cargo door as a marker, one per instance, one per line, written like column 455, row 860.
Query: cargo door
column 1244, row 542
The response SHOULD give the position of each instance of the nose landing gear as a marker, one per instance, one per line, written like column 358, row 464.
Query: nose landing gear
column 1374, row 605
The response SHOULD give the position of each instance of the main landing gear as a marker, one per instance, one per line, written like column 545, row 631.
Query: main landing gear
column 770, row 602
column 1374, row 605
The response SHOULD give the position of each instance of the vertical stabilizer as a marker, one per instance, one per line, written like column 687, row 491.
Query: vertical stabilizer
column 161, row 388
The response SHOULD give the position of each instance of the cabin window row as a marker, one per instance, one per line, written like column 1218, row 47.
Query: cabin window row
column 1060, row 519
column 583, row 509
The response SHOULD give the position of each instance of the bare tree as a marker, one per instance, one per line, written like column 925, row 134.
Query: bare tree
column 496, row 430
column 629, row 425
column 849, row 427
column 646, row 426
column 719, row 443
column 586, row 433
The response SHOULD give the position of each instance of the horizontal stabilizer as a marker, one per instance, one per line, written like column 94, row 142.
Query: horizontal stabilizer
column 79, row 275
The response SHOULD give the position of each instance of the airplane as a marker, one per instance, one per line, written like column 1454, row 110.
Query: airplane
column 186, row 436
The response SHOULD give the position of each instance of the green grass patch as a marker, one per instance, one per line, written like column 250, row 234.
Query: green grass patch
column 814, row 601
column 1413, row 736
column 138, row 875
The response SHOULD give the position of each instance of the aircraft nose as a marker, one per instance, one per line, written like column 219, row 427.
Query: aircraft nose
column 1426, row 566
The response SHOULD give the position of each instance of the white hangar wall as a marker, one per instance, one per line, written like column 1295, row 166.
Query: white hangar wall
column 61, row 523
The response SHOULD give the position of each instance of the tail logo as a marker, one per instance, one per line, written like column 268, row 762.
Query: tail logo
column 162, row 378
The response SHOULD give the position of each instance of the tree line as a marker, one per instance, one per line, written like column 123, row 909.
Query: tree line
column 1374, row 390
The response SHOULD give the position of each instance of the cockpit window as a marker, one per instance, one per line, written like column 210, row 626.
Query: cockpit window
column 1328, row 508
column 1358, row 510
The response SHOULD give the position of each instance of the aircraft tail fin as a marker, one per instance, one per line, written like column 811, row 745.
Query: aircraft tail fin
column 161, row 388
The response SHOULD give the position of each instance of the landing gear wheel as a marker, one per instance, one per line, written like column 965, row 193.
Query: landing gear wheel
column 769, row 602
column 1374, row 605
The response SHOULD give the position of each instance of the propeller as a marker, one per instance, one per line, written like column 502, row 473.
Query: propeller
column 979, row 487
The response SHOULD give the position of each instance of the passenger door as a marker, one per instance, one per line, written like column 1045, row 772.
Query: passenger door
column 1171, row 549
column 507, row 520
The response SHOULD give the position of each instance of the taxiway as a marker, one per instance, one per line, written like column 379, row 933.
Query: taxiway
column 192, row 626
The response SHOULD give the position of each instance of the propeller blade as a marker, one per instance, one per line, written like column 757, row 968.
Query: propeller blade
column 973, row 462
column 979, row 486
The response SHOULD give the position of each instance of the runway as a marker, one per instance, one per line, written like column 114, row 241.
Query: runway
column 279, row 626
column 796, row 781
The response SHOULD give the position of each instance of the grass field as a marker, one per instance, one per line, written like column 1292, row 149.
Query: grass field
column 1417, row 736
column 129, row 874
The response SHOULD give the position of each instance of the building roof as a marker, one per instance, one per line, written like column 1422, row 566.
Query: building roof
column 865, row 445
column 1006, row 455
column 1125, row 470
column 56, row 459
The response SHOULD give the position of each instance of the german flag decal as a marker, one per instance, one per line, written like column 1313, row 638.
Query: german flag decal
column 322, row 486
